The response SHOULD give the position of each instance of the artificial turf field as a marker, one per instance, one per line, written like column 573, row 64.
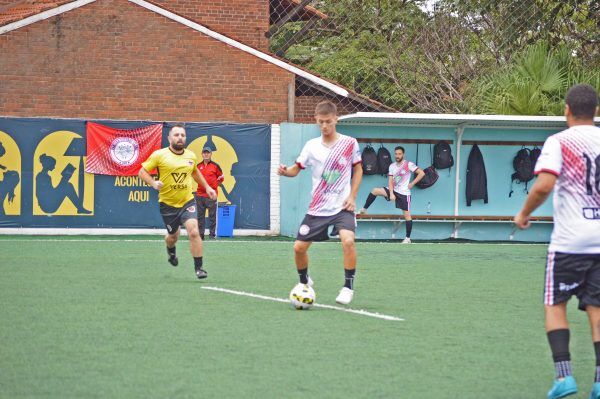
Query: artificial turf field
column 109, row 317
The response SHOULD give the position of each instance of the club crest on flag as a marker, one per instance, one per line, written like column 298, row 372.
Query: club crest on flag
column 124, row 150
column 119, row 152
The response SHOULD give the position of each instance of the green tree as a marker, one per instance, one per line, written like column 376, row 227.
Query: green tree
column 507, row 26
column 419, row 60
column 389, row 50
column 534, row 83
column 351, row 45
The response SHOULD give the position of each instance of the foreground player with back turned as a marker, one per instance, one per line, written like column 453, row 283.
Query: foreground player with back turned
column 570, row 164
column 336, row 175
column 176, row 167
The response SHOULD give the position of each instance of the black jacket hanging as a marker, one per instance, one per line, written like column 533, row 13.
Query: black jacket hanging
column 476, row 177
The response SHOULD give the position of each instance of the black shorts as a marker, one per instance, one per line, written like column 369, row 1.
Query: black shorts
column 572, row 274
column 402, row 201
column 174, row 217
column 314, row 228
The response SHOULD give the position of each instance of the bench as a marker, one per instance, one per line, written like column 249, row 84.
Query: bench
column 458, row 220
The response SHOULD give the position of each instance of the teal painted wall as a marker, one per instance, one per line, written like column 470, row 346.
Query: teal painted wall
column 441, row 194
column 498, row 163
column 295, row 195
column 295, row 192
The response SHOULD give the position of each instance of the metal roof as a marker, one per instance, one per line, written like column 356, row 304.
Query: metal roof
column 454, row 120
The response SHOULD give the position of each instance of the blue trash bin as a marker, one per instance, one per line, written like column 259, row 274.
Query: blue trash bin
column 225, row 220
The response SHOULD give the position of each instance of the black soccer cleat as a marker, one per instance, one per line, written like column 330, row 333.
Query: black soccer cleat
column 201, row 273
column 173, row 260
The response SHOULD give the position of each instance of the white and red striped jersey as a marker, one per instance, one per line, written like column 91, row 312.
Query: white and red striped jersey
column 331, row 172
column 574, row 156
column 401, row 173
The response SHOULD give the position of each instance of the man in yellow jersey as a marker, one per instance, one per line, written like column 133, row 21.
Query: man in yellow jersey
column 176, row 167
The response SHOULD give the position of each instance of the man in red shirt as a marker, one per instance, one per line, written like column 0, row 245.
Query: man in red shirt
column 214, row 176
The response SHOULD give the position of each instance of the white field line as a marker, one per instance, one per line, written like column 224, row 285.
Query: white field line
column 226, row 241
column 316, row 305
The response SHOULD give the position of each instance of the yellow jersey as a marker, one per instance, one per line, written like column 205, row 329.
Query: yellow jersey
column 175, row 171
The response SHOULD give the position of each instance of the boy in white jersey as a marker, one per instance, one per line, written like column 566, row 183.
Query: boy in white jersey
column 336, row 174
column 570, row 164
column 399, row 188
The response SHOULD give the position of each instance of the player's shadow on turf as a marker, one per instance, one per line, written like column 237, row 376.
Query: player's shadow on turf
column 188, row 281
column 176, row 279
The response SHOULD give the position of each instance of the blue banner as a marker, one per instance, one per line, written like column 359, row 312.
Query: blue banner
column 43, row 183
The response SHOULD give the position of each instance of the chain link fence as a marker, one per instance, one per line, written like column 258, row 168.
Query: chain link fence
column 463, row 56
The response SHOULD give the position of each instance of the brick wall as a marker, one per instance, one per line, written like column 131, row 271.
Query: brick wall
column 243, row 20
column 113, row 59
column 304, row 111
column 4, row 3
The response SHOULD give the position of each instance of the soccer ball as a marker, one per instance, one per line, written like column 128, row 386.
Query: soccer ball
column 302, row 296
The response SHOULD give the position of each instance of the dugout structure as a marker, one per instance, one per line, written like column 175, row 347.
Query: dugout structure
column 440, row 212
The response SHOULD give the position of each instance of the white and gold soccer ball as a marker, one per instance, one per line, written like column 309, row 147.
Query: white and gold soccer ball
column 302, row 296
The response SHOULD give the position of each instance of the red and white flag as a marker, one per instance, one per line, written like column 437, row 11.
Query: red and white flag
column 120, row 152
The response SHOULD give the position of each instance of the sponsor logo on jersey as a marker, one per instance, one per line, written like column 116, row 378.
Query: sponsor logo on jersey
column 591, row 213
column 333, row 190
column 331, row 176
column 567, row 287
column 179, row 177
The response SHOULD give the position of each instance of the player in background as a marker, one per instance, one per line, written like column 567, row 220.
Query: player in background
column 336, row 174
column 176, row 167
column 398, row 189
column 570, row 164
column 212, row 173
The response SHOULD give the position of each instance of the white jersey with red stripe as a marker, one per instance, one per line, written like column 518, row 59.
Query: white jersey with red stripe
column 574, row 156
column 331, row 172
column 400, row 173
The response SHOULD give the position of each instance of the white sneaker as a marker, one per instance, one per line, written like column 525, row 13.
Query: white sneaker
column 311, row 283
column 362, row 211
column 345, row 296
column 406, row 241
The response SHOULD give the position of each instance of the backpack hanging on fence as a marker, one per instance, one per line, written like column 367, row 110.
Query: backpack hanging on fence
column 431, row 175
column 442, row 156
column 522, row 163
column 369, row 161
column 384, row 160
column 535, row 154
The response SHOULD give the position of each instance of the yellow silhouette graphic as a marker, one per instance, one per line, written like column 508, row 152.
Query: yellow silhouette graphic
column 60, row 185
column 223, row 154
column 10, row 176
